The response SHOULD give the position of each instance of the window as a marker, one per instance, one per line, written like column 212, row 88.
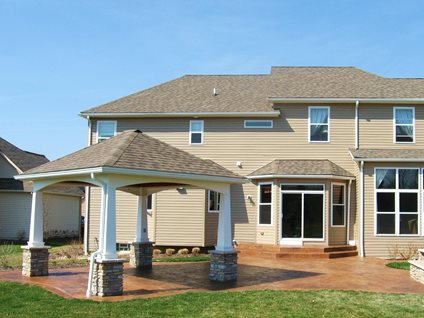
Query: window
column 120, row 247
column 338, row 205
column 404, row 121
column 265, row 204
column 149, row 203
column 214, row 201
column 196, row 132
column 105, row 130
column 258, row 124
column 396, row 201
column 319, row 123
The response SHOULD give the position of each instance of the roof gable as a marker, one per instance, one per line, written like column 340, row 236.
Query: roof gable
column 22, row 159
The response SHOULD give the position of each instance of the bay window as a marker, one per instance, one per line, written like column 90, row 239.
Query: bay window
column 265, row 204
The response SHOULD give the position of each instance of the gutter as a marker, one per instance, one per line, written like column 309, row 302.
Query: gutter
column 270, row 114
column 316, row 176
column 347, row 100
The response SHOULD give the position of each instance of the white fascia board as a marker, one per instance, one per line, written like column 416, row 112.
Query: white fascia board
column 177, row 175
column 43, row 175
column 11, row 162
column 126, row 171
column 347, row 100
column 188, row 114
column 303, row 176
column 388, row 159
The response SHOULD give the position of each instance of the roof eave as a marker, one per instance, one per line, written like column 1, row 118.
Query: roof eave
column 347, row 100
column 303, row 176
column 269, row 114
column 388, row 159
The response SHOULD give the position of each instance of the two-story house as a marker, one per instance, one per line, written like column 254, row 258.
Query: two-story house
column 333, row 155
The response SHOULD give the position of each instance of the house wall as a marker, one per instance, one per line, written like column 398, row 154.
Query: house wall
column 226, row 141
column 15, row 213
column 6, row 169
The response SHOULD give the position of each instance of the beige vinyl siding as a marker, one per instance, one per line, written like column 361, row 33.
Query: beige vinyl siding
column 353, row 214
column 151, row 221
column 6, row 169
column 15, row 214
column 211, row 226
column 376, row 127
column 180, row 217
column 94, row 218
column 379, row 246
column 62, row 214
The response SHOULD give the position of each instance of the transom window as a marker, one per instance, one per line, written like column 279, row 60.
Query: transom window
column 396, row 201
column 214, row 201
column 196, row 132
column 258, row 124
column 319, row 123
column 265, row 204
column 404, row 122
column 338, row 204
column 105, row 129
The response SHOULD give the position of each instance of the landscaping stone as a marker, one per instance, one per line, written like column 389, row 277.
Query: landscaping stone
column 223, row 266
column 141, row 255
column 108, row 277
column 417, row 267
column 35, row 261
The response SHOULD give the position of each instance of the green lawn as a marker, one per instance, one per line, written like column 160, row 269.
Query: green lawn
column 399, row 265
column 30, row 301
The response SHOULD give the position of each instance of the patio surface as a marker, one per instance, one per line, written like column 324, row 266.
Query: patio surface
column 352, row 273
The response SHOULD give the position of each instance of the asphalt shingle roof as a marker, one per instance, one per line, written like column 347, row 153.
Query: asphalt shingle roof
column 132, row 149
column 301, row 167
column 249, row 93
column 387, row 153
column 24, row 160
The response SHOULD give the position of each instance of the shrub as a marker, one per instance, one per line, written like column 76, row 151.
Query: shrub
column 169, row 251
column 195, row 251
column 156, row 252
column 183, row 251
column 404, row 252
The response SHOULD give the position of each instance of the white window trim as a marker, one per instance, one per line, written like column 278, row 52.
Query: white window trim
column 397, row 202
column 324, row 210
column 394, row 125
column 201, row 132
column 271, row 204
column 344, row 203
column 259, row 121
column 309, row 124
column 105, row 121
column 209, row 202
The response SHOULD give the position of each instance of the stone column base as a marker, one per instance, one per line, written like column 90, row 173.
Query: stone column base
column 141, row 254
column 108, row 277
column 223, row 266
column 35, row 261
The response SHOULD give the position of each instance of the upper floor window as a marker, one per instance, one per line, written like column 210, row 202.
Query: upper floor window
column 258, row 124
column 214, row 201
column 265, row 204
column 319, row 123
column 105, row 129
column 404, row 121
column 196, row 132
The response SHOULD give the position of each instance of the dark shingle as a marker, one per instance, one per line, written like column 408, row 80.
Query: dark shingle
column 24, row 160
column 415, row 154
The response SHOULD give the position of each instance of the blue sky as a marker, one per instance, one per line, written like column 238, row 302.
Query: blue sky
column 60, row 57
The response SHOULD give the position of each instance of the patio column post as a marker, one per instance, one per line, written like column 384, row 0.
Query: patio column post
column 108, row 269
column 35, row 258
column 141, row 253
column 223, row 265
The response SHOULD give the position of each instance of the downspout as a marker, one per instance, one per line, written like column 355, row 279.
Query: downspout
column 348, row 213
column 96, row 253
column 361, row 210
column 87, row 200
column 357, row 124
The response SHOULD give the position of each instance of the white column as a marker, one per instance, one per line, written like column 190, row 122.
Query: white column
column 109, row 237
column 36, row 225
column 225, row 241
column 141, row 231
column 102, row 218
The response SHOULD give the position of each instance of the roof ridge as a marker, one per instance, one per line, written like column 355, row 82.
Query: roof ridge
column 119, row 151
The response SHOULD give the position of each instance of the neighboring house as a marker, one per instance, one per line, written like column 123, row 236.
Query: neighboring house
column 62, row 206
column 333, row 155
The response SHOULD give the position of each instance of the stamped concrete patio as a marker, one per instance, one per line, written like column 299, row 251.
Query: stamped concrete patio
column 353, row 273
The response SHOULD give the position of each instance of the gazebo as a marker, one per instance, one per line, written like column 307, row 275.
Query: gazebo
column 141, row 165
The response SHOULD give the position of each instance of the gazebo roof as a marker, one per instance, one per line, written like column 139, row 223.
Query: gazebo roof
column 134, row 150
